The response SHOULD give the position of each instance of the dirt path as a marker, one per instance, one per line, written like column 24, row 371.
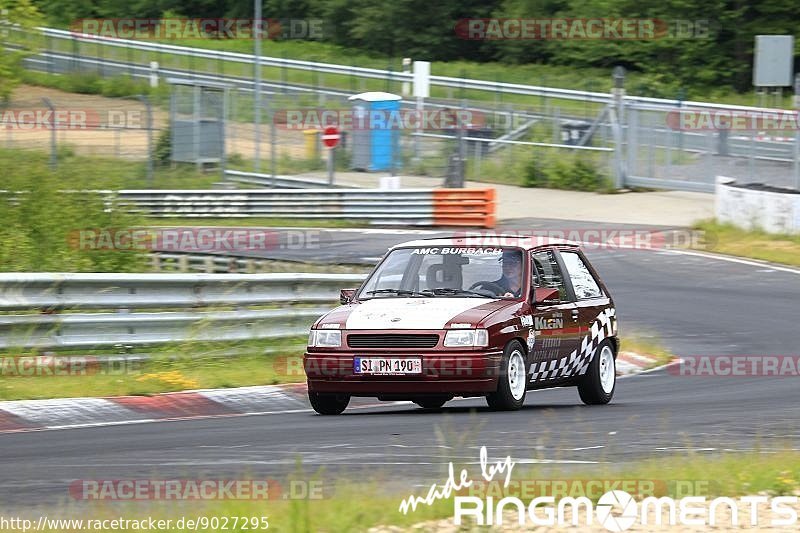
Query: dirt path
column 116, row 127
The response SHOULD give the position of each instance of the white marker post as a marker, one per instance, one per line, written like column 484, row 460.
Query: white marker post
column 422, row 84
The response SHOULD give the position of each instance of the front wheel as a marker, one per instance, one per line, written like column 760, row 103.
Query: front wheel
column 328, row 404
column 597, row 386
column 512, row 384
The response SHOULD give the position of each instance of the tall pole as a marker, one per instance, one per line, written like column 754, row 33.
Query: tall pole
column 619, row 104
column 797, row 134
column 257, row 24
column 149, row 125
column 53, row 144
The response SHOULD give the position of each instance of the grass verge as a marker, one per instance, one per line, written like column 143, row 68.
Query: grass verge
column 185, row 366
column 730, row 240
column 182, row 366
column 648, row 346
column 358, row 506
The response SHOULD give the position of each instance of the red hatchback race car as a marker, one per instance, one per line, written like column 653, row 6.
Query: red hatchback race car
column 441, row 318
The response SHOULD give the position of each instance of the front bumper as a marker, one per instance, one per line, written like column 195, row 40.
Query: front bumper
column 468, row 373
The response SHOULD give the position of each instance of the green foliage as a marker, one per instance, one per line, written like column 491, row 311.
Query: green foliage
column 41, row 222
column 24, row 14
column 162, row 152
column 577, row 172
column 718, row 52
column 91, row 83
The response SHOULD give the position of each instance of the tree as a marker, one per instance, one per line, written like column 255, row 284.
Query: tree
column 13, row 12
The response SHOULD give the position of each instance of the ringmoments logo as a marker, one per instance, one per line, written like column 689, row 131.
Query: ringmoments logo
column 616, row 510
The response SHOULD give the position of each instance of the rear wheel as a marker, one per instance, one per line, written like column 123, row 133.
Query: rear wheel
column 328, row 404
column 432, row 402
column 598, row 385
column 513, row 382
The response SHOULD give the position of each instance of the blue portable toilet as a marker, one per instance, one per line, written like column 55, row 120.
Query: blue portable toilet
column 376, row 131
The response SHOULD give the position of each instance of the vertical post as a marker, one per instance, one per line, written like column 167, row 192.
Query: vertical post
column 330, row 166
column 257, row 85
column 196, row 126
column 797, row 133
column 619, row 102
column 557, row 125
column 154, row 74
column 462, row 146
column 53, row 145
column 149, row 125
column 406, row 70
column 273, row 132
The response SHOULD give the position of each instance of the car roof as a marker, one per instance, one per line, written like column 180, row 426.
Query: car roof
column 528, row 242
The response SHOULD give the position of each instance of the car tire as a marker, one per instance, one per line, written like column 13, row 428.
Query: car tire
column 513, row 380
column 328, row 404
column 432, row 402
column 598, row 385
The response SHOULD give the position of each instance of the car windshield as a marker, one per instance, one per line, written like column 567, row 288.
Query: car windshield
column 436, row 271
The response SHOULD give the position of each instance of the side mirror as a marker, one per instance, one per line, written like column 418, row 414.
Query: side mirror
column 545, row 295
column 346, row 295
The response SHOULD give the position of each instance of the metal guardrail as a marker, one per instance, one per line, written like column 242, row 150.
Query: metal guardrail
column 177, row 307
column 347, row 70
column 419, row 207
column 278, row 182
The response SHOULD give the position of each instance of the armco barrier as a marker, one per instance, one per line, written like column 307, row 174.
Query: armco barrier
column 464, row 207
column 52, row 310
column 409, row 207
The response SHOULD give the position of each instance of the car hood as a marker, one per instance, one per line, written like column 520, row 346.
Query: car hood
column 413, row 313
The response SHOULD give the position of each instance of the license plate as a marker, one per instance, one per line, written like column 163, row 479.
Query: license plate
column 387, row 365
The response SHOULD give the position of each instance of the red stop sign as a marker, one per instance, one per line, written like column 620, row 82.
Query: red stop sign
column 330, row 137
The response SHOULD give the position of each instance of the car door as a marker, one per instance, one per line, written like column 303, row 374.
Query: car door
column 590, row 299
column 555, row 323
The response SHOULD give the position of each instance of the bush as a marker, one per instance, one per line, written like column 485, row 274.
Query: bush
column 162, row 152
column 120, row 86
column 41, row 222
column 577, row 172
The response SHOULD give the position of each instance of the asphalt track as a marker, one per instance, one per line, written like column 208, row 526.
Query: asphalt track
column 696, row 305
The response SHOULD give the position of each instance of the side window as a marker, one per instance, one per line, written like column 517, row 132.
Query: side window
column 545, row 273
column 582, row 280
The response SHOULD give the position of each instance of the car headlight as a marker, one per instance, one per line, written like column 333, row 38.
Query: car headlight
column 466, row 338
column 325, row 338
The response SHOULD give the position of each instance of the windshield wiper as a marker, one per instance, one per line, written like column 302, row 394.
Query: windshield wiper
column 448, row 290
column 398, row 292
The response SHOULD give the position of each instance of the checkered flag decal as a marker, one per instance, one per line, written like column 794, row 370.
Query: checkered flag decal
column 577, row 363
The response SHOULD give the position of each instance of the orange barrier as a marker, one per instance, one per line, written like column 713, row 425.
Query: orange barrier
column 464, row 207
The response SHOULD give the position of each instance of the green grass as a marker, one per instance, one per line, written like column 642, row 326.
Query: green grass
column 649, row 345
column 351, row 505
column 182, row 366
column 730, row 240
column 588, row 79
column 107, row 172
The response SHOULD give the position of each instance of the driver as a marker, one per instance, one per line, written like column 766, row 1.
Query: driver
column 511, row 280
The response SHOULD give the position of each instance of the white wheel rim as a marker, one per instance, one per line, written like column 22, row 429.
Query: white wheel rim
column 608, row 371
column 516, row 375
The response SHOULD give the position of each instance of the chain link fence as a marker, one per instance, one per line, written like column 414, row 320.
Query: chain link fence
column 532, row 140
